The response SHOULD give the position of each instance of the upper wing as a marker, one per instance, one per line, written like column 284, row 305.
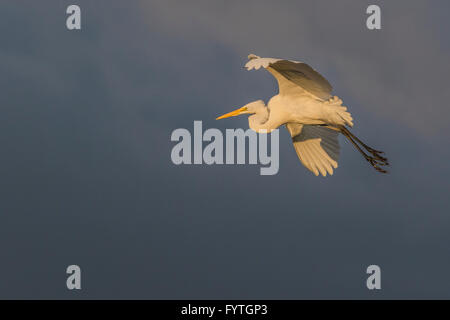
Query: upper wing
column 293, row 77
column 316, row 147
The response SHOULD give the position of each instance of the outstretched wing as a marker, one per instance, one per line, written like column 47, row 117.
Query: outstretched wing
column 316, row 147
column 293, row 77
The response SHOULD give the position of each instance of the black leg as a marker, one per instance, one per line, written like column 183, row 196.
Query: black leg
column 376, row 161
column 375, row 153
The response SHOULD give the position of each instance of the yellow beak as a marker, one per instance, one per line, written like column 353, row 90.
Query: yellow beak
column 232, row 113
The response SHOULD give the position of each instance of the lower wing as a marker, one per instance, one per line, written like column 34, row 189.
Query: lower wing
column 317, row 147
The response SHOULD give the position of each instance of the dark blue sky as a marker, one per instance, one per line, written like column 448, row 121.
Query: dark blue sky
column 86, row 175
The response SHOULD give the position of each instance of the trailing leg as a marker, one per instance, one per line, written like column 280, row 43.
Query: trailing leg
column 374, row 157
column 375, row 153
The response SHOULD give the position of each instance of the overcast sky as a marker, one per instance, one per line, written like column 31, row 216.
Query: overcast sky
column 87, row 179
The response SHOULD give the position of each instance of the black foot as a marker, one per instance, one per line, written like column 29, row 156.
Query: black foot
column 377, row 163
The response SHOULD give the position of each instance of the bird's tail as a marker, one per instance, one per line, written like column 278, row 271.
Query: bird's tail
column 338, row 113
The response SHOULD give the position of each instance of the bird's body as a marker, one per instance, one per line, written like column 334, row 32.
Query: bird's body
column 305, row 109
column 313, row 117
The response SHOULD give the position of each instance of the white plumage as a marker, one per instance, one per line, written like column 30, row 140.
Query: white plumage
column 316, row 147
column 313, row 117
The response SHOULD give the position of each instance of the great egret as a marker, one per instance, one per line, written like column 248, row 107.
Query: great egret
column 312, row 116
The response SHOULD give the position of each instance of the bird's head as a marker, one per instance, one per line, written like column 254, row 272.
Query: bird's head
column 249, row 108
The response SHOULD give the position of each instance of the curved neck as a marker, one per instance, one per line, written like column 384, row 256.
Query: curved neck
column 262, row 121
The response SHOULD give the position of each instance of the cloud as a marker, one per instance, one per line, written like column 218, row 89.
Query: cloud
column 87, row 176
column 398, row 72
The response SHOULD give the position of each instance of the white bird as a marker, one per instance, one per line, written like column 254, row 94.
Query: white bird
column 313, row 117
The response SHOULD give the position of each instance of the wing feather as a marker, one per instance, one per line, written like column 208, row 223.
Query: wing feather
column 321, row 159
column 294, row 77
column 312, row 163
column 305, row 155
column 317, row 147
